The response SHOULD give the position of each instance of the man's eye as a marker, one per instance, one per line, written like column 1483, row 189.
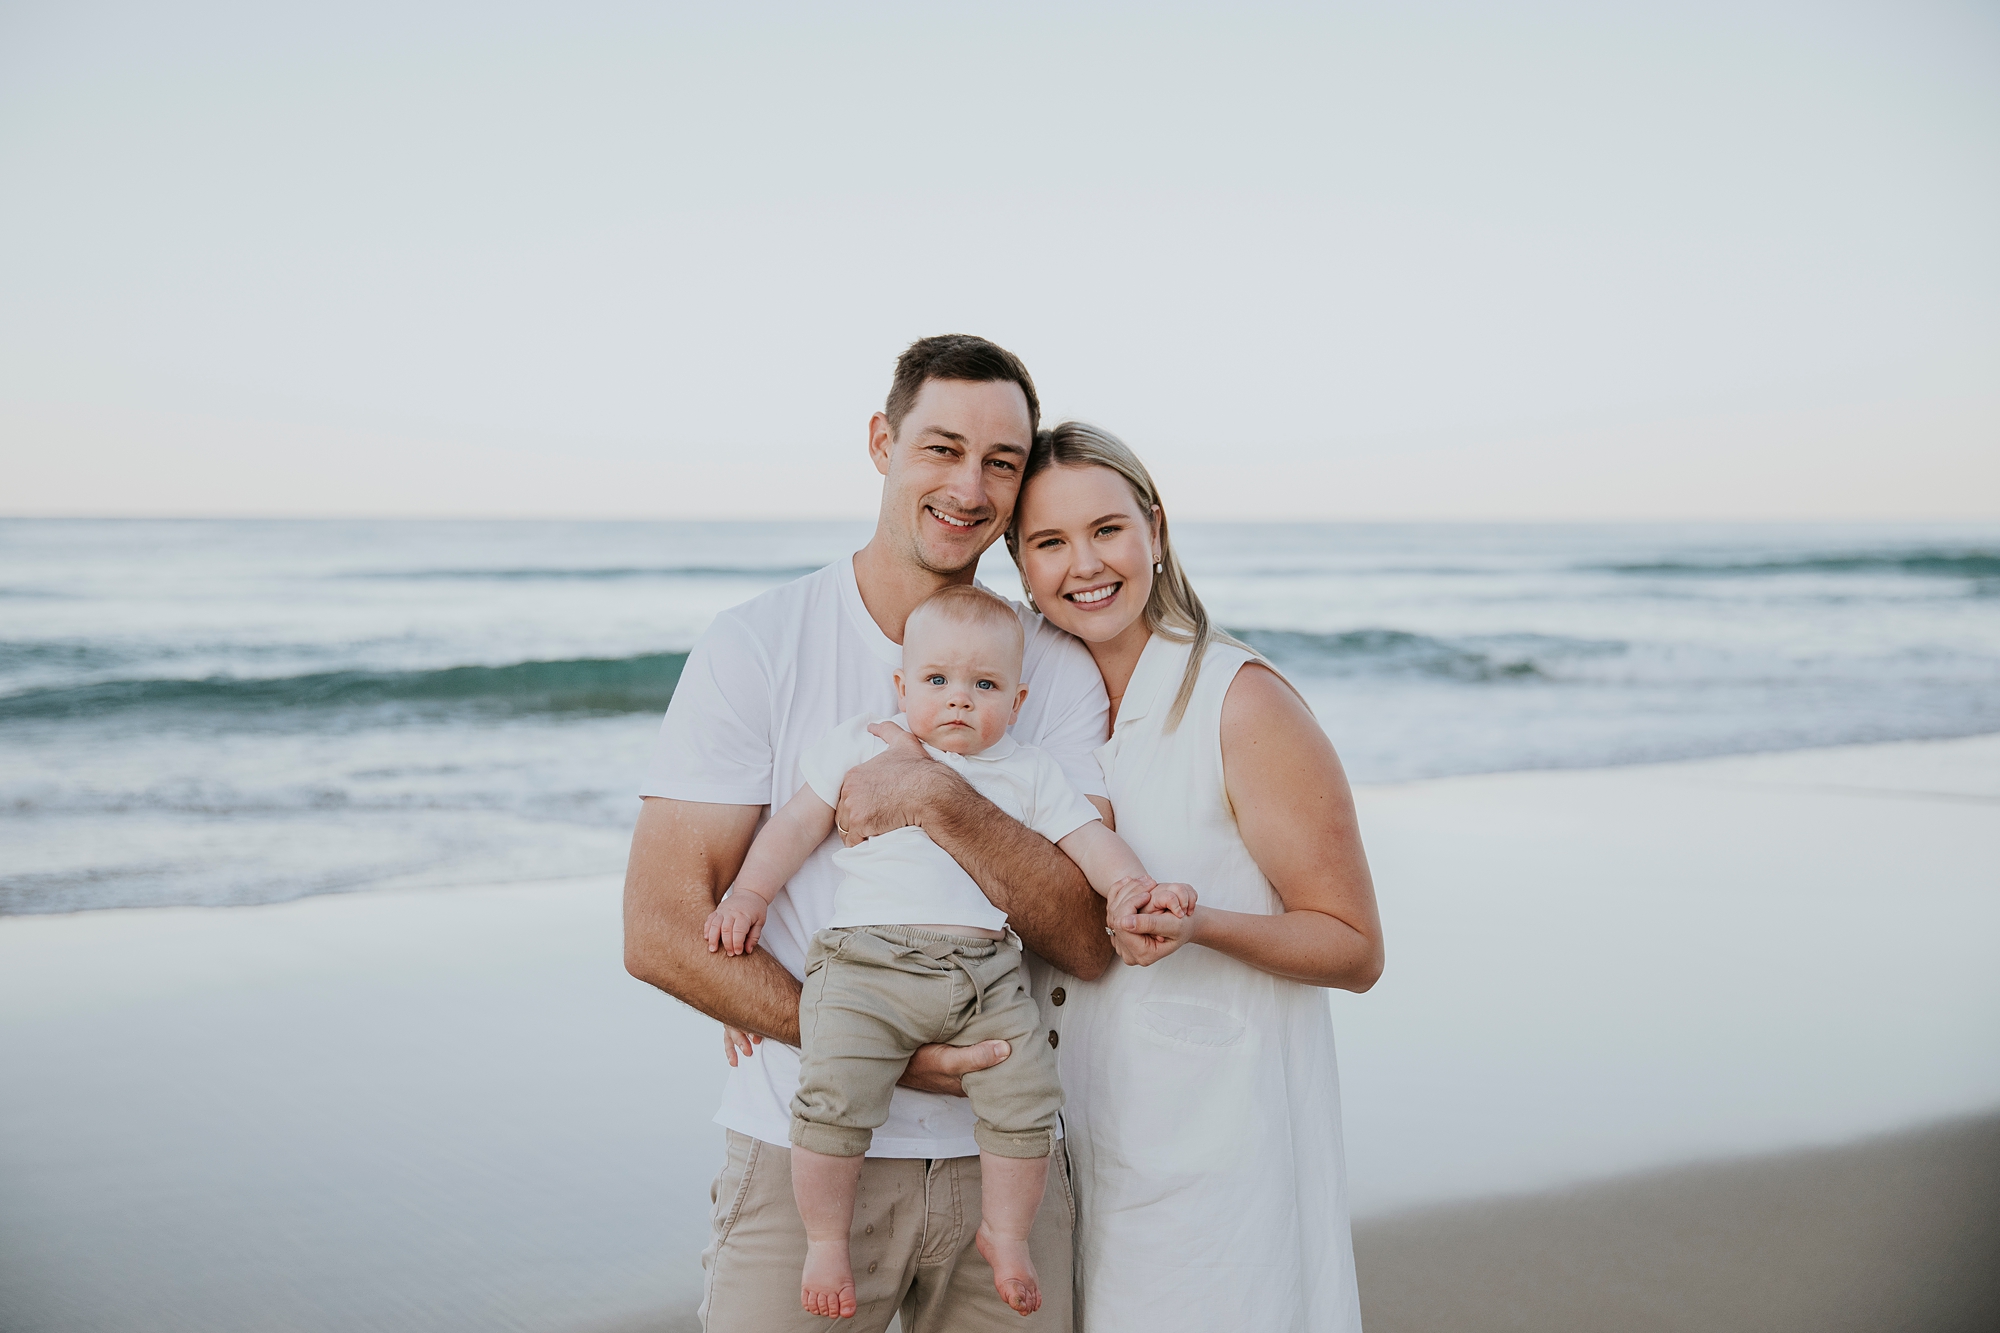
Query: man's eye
column 1003, row 463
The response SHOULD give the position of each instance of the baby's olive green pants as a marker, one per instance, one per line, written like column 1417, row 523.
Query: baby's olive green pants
column 873, row 994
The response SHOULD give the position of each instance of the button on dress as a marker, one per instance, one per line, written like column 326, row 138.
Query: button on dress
column 1203, row 1100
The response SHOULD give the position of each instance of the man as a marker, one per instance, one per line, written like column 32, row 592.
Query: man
column 767, row 680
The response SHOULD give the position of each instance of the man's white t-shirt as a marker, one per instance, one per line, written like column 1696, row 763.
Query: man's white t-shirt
column 902, row 878
column 767, row 680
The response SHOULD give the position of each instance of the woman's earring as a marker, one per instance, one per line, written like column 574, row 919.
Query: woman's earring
column 1159, row 566
column 1031, row 604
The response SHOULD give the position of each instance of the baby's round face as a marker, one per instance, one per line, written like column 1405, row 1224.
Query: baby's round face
column 960, row 683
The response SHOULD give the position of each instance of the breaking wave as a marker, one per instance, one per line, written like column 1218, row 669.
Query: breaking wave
column 639, row 684
column 1495, row 657
column 1962, row 564
column 596, row 574
column 645, row 683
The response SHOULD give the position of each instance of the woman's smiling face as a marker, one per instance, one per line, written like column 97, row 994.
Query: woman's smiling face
column 1087, row 550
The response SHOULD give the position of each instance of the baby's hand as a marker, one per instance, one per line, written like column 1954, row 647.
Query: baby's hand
column 1175, row 898
column 735, row 926
column 1128, row 895
column 735, row 1042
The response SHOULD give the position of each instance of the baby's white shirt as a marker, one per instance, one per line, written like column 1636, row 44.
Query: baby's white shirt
column 902, row 878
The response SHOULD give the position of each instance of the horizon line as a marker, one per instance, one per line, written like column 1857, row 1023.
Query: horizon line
column 1270, row 520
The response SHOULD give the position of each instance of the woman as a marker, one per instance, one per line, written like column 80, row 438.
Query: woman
column 1203, row 1104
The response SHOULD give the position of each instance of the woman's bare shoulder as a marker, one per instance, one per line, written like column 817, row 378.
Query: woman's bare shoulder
column 1259, row 699
column 1267, row 724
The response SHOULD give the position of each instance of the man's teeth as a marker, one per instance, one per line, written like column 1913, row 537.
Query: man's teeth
column 1094, row 595
column 955, row 522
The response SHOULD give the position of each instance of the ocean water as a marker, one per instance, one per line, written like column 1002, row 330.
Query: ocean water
column 241, row 712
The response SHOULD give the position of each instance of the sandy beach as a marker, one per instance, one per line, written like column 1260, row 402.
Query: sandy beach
column 1897, row 1232
column 1703, row 1045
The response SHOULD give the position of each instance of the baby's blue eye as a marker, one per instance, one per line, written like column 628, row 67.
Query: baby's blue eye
column 933, row 680
column 987, row 685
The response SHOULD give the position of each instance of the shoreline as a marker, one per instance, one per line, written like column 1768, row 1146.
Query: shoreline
column 426, row 882
column 1716, row 757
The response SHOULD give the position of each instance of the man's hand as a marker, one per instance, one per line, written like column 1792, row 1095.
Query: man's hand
column 1046, row 898
column 939, row 1068
column 888, row 791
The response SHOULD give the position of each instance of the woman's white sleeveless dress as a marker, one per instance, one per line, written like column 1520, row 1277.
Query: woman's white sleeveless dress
column 1203, row 1102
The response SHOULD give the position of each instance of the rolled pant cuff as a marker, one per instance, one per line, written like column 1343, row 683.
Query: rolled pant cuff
column 1008, row 1142
column 831, row 1140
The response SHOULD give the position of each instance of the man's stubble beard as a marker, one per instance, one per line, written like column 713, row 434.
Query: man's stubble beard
column 920, row 557
column 921, row 560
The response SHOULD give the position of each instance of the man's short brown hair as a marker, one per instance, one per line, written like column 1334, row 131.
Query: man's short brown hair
column 955, row 356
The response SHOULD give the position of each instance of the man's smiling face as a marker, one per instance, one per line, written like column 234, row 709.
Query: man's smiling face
column 953, row 470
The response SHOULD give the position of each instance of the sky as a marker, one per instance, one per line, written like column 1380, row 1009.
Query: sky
column 1463, row 261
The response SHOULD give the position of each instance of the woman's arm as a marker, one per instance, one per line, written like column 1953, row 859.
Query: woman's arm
column 1296, row 814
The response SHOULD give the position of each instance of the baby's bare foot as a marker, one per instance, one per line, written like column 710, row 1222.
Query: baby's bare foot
column 1013, row 1271
column 827, row 1289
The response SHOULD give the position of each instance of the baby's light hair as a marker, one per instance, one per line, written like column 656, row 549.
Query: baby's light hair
column 963, row 604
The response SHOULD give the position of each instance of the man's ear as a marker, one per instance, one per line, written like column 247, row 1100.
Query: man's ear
column 880, row 441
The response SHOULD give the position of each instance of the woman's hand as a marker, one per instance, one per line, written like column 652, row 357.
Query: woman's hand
column 735, row 1041
column 1144, row 938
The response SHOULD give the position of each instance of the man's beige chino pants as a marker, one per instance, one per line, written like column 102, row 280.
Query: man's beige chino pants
column 914, row 1222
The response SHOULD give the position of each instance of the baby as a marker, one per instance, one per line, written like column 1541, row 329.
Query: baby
column 916, row 953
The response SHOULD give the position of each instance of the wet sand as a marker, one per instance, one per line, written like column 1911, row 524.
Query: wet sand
column 1895, row 1233
column 452, row 1110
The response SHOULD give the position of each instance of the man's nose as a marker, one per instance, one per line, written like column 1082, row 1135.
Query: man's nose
column 967, row 487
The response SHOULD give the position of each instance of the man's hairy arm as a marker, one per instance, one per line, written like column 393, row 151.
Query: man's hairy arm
column 684, row 854
column 1047, row 900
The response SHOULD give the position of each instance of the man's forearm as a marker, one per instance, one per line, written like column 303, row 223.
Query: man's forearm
column 1047, row 900
column 678, row 866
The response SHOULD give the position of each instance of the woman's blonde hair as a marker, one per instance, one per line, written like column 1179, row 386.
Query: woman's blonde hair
column 1172, row 611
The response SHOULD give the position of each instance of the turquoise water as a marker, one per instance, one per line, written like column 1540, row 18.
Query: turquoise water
column 238, row 712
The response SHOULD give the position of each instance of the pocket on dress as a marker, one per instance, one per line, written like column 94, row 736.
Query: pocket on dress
column 1187, row 1077
column 1192, row 1023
